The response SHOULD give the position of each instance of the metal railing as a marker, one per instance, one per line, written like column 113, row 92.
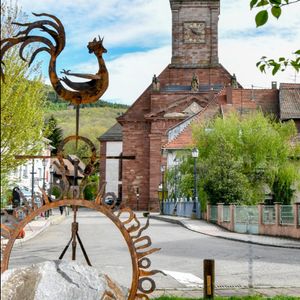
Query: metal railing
column 184, row 208
column 226, row 214
column 269, row 216
column 243, row 214
column 168, row 207
column 286, row 215
column 213, row 213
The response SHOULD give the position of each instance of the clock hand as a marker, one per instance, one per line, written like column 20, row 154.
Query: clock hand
column 195, row 31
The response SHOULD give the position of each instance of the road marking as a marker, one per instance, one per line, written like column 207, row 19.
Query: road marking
column 187, row 279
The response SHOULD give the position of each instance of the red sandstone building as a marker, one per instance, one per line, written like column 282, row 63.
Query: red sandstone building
column 193, row 87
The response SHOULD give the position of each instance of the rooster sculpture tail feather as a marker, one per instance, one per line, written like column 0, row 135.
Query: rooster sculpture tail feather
column 86, row 92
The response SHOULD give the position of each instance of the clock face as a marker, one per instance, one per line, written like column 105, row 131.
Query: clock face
column 194, row 32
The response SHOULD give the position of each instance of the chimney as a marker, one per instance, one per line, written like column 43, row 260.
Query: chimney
column 274, row 85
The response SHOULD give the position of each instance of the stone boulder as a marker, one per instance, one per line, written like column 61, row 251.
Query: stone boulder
column 59, row 280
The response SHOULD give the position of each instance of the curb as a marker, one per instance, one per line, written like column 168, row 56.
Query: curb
column 34, row 234
column 50, row 221
column 178, row 222
column 229, row 292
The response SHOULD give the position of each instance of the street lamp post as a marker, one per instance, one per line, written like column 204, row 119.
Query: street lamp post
column 195, row 154
column 32, row 184
column 51, row 186
column 51, row 181
column 176, row 163
column 44, row 170
column 162, row 169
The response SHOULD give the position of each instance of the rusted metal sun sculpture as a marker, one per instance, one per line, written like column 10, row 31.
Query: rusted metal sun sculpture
column 124, row 218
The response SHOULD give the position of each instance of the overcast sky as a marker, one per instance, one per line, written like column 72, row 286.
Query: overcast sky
column 137, row 34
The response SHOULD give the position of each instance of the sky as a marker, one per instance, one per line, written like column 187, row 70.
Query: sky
column 137, row 35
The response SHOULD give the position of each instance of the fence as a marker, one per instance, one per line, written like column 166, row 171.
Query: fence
column 213, row 214
column 286, row 215
column 275, row 220
column 226, row 214
column 269, row 216
column 181, row 208
column 246, row 219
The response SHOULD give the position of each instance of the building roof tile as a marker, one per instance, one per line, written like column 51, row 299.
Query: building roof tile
column 289, row 99
column 115, row 133
column 184, row 139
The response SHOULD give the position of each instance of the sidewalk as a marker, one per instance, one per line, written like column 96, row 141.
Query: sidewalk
column 206, row 228
column 198, row 293
column 38, row 225
column 240, row 292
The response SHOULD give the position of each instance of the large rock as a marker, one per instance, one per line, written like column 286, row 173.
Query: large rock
column 59, row 280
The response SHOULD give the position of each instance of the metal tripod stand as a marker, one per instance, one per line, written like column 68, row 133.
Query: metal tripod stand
column 75, row 226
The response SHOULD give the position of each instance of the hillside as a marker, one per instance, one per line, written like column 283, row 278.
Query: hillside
column 94, row 121
column 95, row 118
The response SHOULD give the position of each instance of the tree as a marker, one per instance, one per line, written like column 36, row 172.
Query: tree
column 22, row 100
column 54, row 133
column 261, row 18
column 239, row 157
column 91, row 189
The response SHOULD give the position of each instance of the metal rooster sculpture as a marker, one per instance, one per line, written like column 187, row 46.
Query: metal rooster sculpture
column 82, row 92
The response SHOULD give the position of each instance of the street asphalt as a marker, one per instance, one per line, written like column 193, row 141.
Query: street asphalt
column 35, row 228
column 211, row 229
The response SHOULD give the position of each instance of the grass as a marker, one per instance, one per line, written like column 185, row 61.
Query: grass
column 93, row 121
column 255, row 297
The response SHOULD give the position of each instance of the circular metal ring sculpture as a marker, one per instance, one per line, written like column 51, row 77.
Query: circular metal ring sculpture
column 129, row 226
column 89, row 168
column 55, row 188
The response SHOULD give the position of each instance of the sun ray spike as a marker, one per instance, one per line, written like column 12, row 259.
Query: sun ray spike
column 45, row 196
column 100, row 194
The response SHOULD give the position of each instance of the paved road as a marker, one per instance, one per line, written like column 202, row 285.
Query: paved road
column 182, row 251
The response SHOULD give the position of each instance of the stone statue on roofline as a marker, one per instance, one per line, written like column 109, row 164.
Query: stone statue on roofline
column 155, row 83
column 234, row 83
column 195, row 83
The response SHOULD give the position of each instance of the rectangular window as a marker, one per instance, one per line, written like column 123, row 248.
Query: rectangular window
column 25, row 171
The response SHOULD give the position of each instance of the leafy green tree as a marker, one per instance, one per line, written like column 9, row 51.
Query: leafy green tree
column 240, row 156
column 54, row 133
column 22, row 100
column 283, row 185
column 274, row 7
column 91, row 189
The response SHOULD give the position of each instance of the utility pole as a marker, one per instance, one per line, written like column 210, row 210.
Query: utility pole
column 32, row 183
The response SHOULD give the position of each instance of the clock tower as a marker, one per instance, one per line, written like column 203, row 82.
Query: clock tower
column 195, row 33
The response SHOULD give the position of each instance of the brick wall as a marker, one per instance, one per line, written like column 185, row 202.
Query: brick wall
column 145, row 128
column 195, row 32
column 249, row 99
column 145, row 124
column 102, row 168
column 297, row 122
